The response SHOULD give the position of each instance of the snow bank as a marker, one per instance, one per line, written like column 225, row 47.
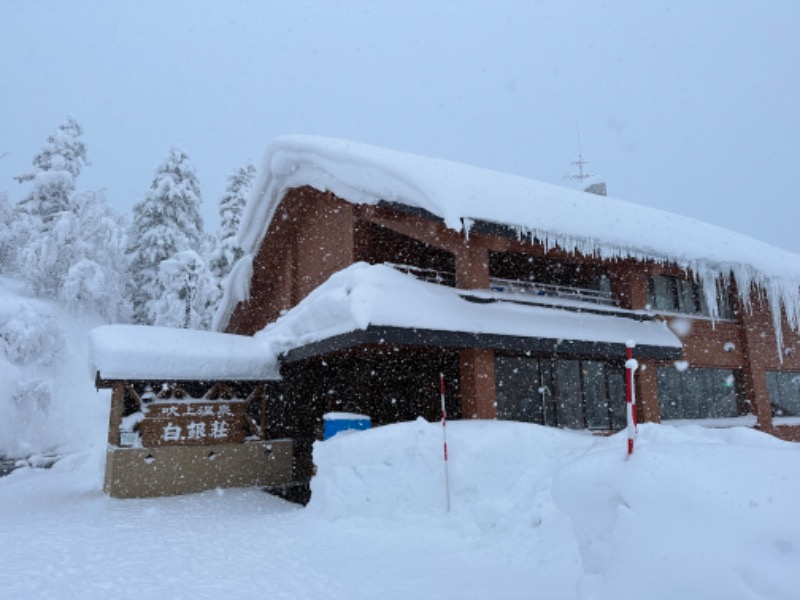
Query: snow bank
column 500, row 471
column 695, row 513
column 144, row 352
column 572, row 220
column 362, row 295
column 500, row 475
column 48, row 404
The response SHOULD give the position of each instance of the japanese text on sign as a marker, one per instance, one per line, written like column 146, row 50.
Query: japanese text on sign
column 195, row 430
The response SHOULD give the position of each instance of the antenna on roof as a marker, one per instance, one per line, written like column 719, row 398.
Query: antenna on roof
column 581, row 176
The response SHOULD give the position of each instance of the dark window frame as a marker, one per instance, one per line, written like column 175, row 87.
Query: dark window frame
column 783, row 401
column 670, row 293
column 694, row 393
column 550, row 409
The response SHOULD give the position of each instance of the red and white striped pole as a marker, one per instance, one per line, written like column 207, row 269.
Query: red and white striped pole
column 444, row 439
column 630, row 395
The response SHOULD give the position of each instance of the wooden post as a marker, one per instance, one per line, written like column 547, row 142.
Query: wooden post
column 115, row 418
column 477, row 383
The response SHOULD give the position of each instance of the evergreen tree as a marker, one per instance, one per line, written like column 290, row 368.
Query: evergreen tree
column 57, row 165
column 231, row 206
column 80, row 258
column 189, row 293
column 69, row 245
column 166, row 222
column 7, row 246
column 97, row 275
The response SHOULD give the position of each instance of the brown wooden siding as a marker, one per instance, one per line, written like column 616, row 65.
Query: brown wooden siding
column 316, row 234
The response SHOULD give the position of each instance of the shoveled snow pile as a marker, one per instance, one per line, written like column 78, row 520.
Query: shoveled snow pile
column 695, row 513
column 48, row 404
column 536, row 512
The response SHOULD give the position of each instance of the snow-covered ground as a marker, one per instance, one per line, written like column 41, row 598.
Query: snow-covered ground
column 535, row 512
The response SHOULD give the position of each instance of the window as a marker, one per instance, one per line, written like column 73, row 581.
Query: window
column 569, row 393
column 699, row 393
column 382, row 245
column 673, row 294
column 784, row 393
column 524, row 267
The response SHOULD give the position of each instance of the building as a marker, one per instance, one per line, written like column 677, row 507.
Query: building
column 368, row 273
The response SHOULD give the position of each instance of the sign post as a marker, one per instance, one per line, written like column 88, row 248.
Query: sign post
column 444, row 439
column 630, row 395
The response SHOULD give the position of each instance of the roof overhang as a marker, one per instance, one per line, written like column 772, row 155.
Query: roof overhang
column 413, row 337
column 144, row 353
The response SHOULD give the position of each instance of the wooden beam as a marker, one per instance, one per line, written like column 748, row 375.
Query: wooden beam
column 115, row 418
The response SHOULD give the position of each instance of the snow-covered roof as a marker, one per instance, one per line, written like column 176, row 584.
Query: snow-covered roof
column 461, row 195
column 362, row 296
column 169, row 354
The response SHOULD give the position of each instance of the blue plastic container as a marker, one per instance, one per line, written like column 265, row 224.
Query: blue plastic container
column 340, row 421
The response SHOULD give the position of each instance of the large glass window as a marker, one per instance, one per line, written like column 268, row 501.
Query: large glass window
column 382, row 245
column 674, row 294
column 518, row 394
column 698, row 393
column 784, row 393
column 570, row 409
column 524, row 267
column 563, row 392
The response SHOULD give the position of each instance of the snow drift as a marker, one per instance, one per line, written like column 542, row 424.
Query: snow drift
column 695, row 513
column 48, row 404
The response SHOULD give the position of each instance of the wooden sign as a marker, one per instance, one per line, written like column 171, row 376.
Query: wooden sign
column 192, row 424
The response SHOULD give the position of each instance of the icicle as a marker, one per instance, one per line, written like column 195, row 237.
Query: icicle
column 467, row 223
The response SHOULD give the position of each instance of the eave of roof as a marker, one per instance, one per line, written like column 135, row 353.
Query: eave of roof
column 358, row 304
column 378, row 336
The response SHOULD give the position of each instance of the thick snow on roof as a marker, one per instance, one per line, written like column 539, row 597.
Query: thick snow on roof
column 165, row 353
column 363, row 295
column 459, row 194
column 572, row 220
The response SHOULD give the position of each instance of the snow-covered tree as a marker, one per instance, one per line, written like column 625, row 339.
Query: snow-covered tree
column 231, row 206
column 69, row 245
column 166, row 222
column 80, row 258
column 97, row 275
column 7, row 246
column 189, row 293
column 56, row 167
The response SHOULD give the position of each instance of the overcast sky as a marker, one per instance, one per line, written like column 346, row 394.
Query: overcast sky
column 690, row 106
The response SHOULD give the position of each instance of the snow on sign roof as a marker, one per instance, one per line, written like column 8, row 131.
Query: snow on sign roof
column 573, row 220
column 364, row 295
column 164, row 353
